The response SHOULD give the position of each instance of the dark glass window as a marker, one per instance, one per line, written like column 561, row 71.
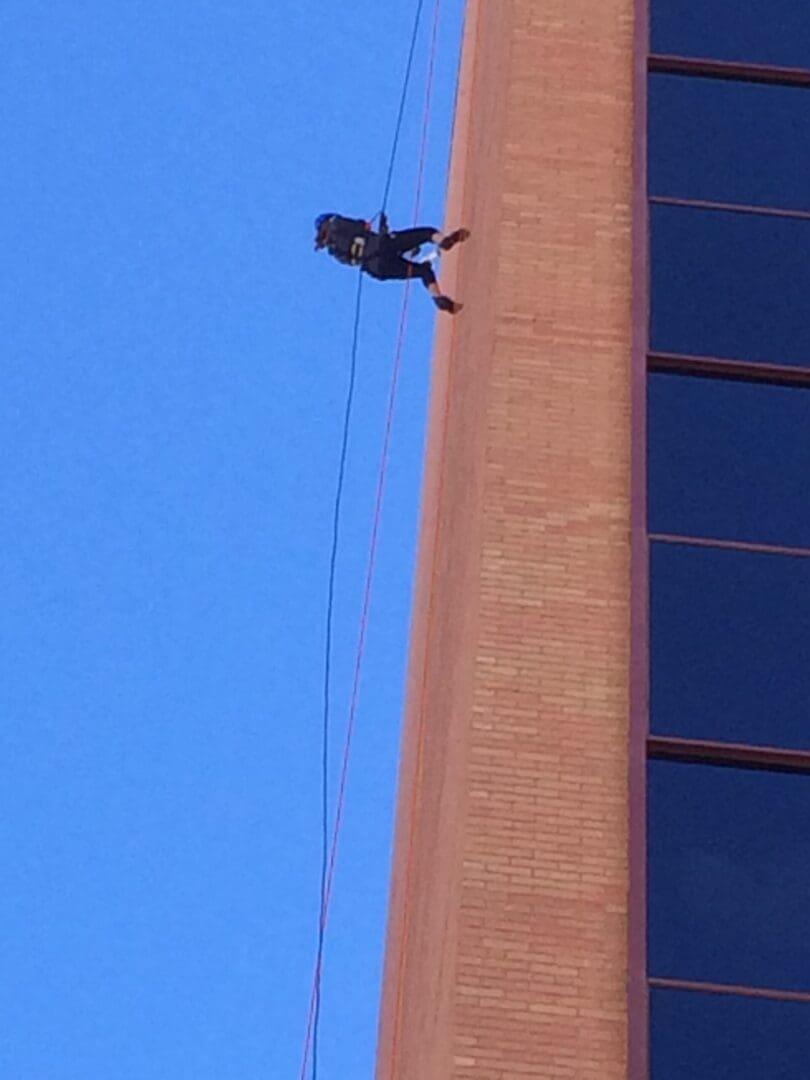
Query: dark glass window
column 758, row 31
column 730, row 285
column 730, row 646
column 729, row 141
column 729, row 875
column 729, row 460
column 697, row 1036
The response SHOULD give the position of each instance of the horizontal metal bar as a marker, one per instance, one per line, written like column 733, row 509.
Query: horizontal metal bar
column 664, row 64
column 729, row 545
column 723, row 368
column 730, row 988
column 730, row 208
column 731, row 755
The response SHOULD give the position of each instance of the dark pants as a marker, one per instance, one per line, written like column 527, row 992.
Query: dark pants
column 387, row 263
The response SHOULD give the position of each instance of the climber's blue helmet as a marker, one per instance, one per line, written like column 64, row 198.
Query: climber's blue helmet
column 321, row 229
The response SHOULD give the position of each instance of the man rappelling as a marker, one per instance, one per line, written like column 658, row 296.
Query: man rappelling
column 382, row 254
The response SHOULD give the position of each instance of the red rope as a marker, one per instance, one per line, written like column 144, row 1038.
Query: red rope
column 399, row 986
column 373, row 543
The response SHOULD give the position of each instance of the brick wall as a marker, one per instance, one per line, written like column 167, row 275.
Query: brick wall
column 507, row 948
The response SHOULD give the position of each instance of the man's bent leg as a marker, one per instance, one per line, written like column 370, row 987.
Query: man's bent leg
column 442, row 302
column 390, row 267
column 397, row 269
column 410, row 239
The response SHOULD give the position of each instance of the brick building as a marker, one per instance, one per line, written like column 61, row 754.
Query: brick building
column 555, row 912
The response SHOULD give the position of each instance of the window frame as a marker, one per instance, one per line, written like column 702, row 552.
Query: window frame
column 732, row 211
column 732, row 989
column 786, row 1007
column 740, row 759
column 643, row 746
column 773, row 74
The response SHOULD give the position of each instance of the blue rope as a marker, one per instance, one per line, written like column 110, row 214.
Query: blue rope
column 327, row 672
column 402, row 100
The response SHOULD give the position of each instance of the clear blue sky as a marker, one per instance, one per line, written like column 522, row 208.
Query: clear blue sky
column 174, row 366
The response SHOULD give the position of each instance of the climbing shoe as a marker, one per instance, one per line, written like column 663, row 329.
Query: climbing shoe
column 454, row 238
column 444, row 303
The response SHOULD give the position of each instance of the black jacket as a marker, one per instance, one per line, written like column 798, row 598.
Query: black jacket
column 351, row 240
